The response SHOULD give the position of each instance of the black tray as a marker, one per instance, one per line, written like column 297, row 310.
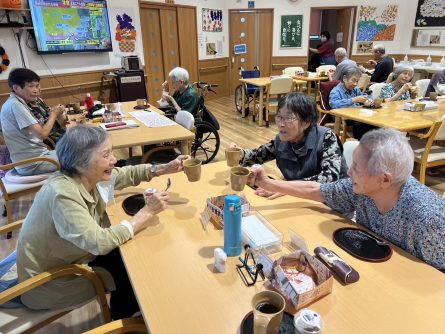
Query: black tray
column 133, row 204
column 361, row 244
column 287, row 324
column 371, row 107
column 142, row 107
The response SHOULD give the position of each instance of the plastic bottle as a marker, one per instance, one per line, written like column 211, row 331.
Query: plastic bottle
column 405, row 59
column 89, row 101
column 220, row 260
column 232, row 225
column 428, row 61
column 442, row 62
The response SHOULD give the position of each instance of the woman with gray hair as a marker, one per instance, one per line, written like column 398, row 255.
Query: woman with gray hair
column 68, row 224
column 400, row 88
column 386, row 198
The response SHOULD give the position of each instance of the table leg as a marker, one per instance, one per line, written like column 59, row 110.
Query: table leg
column 243, row 100
column 309, row 88
column 337, row 126
column 184, row 147
column 260, row 112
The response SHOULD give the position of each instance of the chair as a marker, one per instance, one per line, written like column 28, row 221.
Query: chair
column 292, row 71
column 426, row 153
column 16, row 318
column 250, row 90
column 364, row 81
column 322, row 70
column 323, row 99
column 277, row 87
column 376, row 88
column 13, row 185
column 422, row 86
column 390, row 78
column 348, row 149
column 121, row 326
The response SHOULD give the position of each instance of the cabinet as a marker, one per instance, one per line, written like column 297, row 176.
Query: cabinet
column 24, row 23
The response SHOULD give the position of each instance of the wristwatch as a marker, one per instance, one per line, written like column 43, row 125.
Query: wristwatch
column 153, row 170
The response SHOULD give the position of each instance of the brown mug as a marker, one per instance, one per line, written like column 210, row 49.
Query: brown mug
column 268, row 308
column 192, row 168
column 378, row 102
column 238, row 178
column 433, row 96
column 233, row 156
column 141, row 103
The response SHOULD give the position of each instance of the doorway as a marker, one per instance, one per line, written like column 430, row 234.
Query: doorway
column 252, row 28
column 339, row 21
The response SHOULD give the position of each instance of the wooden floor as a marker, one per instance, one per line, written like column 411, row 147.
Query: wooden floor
column 235, row 129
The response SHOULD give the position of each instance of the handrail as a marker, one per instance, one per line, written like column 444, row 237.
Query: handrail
column 212, row 67
column 288, row 65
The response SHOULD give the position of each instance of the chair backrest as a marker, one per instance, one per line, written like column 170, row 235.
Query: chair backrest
column 390, row 77
column 364, row 81
column 280, row 85
column 250, row 74
column 291, row 71
column 348, row 149
column 185, row 119
column 325, row 90
column 422, row 85
column 440, row 135
column 324, row 68
column 376, row 89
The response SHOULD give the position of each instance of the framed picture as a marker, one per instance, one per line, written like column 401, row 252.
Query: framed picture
column 211, row 20
column 430, row 13
column 291, row 29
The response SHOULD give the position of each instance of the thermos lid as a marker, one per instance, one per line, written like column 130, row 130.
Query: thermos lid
column 232, row 200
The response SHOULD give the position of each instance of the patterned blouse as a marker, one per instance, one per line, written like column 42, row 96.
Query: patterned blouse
column 389, row 91
column 416, row 223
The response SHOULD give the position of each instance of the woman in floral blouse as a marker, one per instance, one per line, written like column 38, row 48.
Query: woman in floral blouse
column 401, row 88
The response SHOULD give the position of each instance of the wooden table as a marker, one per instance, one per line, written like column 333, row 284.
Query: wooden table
column 315, row 79
column 261, row 83
column 170, row 265
column 143, row 135
column 391, row 115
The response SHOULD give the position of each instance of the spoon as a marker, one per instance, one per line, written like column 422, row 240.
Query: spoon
column 169, row 183
column 378, row 241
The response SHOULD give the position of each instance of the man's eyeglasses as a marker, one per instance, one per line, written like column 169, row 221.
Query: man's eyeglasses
column 286, row 120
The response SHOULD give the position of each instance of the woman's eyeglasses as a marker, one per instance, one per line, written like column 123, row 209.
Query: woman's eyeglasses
column 286, row 120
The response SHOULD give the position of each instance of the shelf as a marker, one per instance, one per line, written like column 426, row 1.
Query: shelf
column 16, row 9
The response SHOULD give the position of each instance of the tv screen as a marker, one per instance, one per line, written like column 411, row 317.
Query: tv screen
column 62, row 26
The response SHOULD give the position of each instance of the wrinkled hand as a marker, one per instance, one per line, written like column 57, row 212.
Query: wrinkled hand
column 360, row 99
column 167, row 97
column 156, row 203
column 165, row 86
column 406, row 87
column 58, row 110
column 367, row 103
column 173, row 166
column 269, row 194
column 258, row 177
column 372, row 62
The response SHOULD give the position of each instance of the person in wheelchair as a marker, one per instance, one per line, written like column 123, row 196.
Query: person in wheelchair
column 302, row 149
column 184, row 96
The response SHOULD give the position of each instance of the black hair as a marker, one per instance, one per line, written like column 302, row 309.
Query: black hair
column 301, row 105
column 325, row 33
column 20, row 76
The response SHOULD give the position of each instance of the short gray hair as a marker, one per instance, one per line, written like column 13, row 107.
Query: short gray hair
column 389, row 152
column 340, row 52
column 179, row 74
column 351, row 71
column 402, row 68
column 380, row 48
column 75, row 148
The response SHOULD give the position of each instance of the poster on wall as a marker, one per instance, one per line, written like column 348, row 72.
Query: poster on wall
column 291, row 28
column 364, row 47
column 123, row 30
column 430, row 13
column 376, row 23
column 211, row 20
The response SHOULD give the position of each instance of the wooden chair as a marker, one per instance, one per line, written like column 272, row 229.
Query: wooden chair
column 13, row 185
column 323, row 70
column 390, row 78
column 376, row 88
column 348, row 149
column 276, row 88
column 292, row 71
column 422, row 86
column 20, row 319
column 364, row 81
column 121, row 326
column 426, row 153
column 323, row 106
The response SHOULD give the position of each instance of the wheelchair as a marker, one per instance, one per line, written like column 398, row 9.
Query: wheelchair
column 250, row 90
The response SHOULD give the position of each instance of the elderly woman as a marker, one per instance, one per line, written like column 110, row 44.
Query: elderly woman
column 302, row 149
column 401, row 87
column 384, row 195
column 184, row 97
column 68, row 224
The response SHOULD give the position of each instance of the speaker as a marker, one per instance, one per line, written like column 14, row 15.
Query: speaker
column 131, row 86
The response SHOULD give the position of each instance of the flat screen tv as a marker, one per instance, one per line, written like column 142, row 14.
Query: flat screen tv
column 62, row 26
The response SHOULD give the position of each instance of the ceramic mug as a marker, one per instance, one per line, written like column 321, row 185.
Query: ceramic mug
column 192, row 168
column 268, row 308
column 433, row 96
column 238, row 178
column 141, row 103
column 233, row 156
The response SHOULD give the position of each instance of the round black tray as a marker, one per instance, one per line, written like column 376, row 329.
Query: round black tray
column 142, row 107
column 287, row 324
column 133, row 204
column 361, row 244
column 371, row 107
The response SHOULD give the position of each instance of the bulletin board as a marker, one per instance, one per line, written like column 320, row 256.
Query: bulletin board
column 431, row 38
column 291, row 29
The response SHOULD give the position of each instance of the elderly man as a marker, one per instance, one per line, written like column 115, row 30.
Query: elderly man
column 23, row 133
column 184, row 97
column 343, row 62
column 384, row 195
column 383, row 63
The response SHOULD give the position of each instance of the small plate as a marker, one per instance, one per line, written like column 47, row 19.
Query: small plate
column 133, row 204
column 141, row 107
column 287, row 324
column 362, row 245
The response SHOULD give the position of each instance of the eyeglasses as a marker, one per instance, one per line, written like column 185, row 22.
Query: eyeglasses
column 286, row 120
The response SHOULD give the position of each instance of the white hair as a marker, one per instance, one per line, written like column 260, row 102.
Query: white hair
column 341, row 53
column 402, row 68
column 380, row 48
column 389, row 152
column 179, row 74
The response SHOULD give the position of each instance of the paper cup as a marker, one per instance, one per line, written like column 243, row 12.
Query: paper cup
column 192, row 168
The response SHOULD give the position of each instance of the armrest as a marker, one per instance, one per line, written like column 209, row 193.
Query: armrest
column 121, row 326
column 11, row 227
column 28, row 161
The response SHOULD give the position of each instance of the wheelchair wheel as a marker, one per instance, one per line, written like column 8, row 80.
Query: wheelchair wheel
column 206, row 143
column 239, row 98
